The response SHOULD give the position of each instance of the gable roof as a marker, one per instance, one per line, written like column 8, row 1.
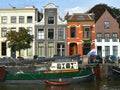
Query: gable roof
column 106, row 15
column 81, row 16
column 50, row 5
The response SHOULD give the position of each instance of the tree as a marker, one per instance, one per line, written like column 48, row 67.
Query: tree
column 99, row 9
column 19, row 40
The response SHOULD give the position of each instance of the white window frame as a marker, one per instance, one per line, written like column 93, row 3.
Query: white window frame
column 4, row 19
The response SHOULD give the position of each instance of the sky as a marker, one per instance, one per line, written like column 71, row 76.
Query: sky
column 64, row 6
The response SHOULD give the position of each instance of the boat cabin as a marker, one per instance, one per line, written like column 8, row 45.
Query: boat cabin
column 71, row 65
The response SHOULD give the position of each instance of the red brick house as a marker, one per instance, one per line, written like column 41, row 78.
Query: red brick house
column 80, row 33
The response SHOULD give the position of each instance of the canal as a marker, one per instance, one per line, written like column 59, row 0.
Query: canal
column 94, row 85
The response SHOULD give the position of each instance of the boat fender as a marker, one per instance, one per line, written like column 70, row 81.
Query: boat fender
column 3, row 74
column 60, row 79
column 93, row 72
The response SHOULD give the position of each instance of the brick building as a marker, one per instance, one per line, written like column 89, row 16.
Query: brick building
column 80, row 33
column 107, row 35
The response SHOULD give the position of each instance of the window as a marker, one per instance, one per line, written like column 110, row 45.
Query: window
column 21, row 28
column 114, row 37
column 68, row 65
column 61, row 34
column 99, row 37
column 3, row 48
column 106, row 25
column 80, row 17
column 115, row 50
column 30, row 30
column 29, row 19
column 61, row 49
column 50, row 49
column 13, row 19
column 41, row 50
column 107, row 37
column 86, row 32
column 107, row 50
column 3, row 19
column 29, row 52
column 41, row 34
column 50, row 20
column 58, row 66
column 73, row 32
column 13, row 29
column 3, row 32
column 50, row 33
column 50, row 11
column 21, row 19
column 22, row 52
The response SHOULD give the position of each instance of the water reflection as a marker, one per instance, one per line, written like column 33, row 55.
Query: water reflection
column 99, row 85
column 49, row 87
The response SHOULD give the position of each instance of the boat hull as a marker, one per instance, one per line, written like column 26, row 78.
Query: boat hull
column 56, row 82
column 76, row 79
column 71, row 80
column 116, row 70
column 34, row 77
column 114, row 73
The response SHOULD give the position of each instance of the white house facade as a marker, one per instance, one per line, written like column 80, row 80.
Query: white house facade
column 13, row 19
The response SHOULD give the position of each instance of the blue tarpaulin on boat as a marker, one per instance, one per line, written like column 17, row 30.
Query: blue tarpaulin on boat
column 112, row 58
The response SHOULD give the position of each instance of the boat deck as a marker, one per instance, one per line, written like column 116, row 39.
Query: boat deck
column 60, row 71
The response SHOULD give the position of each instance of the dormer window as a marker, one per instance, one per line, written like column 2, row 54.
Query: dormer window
column 80, row 17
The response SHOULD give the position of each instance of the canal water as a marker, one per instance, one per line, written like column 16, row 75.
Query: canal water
column 94, row 85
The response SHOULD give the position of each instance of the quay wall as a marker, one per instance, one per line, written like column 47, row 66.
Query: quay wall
column 104, row 71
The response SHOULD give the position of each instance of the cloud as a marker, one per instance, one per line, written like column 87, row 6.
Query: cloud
column 76, row 9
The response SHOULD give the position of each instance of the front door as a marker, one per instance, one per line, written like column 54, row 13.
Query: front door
column 73, row 49
column 99, row 50
column 86, row 48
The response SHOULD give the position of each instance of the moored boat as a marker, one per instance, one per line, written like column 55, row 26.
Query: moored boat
column 114, row 69
column 68, row 70
column 56, row 82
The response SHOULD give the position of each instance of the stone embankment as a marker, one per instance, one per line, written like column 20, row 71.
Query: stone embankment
column 104, row 71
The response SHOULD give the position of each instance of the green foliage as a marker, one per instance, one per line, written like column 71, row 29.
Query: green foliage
column 35, row 56
column 99, row 9
column 19, row 40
